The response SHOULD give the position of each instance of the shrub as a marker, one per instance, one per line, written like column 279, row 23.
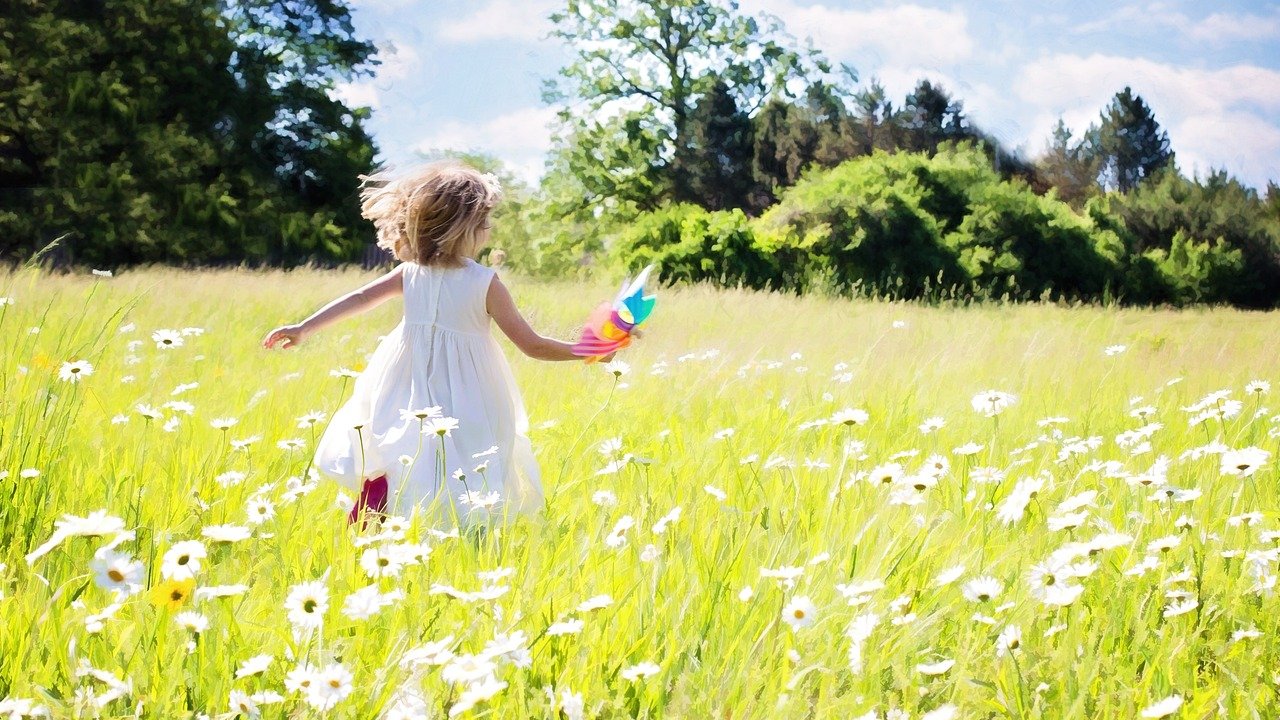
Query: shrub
column 864, row 224
column 691, row 244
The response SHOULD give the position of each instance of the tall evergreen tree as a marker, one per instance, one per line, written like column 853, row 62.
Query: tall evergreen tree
column 1133, row 145
column 770, row 137
column 930, row 117
column 835, row 124
column 876, row 118
column 716, row 160
column 1070, row 166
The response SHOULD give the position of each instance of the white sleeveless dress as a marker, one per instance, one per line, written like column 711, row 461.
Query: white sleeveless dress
column 440, row 354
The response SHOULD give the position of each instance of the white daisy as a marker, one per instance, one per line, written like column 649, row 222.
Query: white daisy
column 1244, row 462
column 182, row 561
column 476, row 692
column 74, row 371
column 850, row 416
column 432, row 653
column 982, row 589
column 167, row 339
column 260, row 510
column 1009, row 641
column 992, row 402
column 616, row 368
column 329, row 687
column 467, row 669
column 799, row 613
column 595, row 603
column 307, row 603
column 1163, row 708
column 640, row 671
column 440, row 426
column 218, row 591
column 368, row 601
column 117, row 571
column 254, row 666
column 193, row 622
column 300, row 678
column 571, row 626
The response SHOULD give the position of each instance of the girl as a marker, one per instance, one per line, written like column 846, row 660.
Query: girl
column 438, row 364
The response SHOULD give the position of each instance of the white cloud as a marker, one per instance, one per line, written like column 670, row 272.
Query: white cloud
column 1218, row 28
column 522, row 20
column 1222, row 27
column 356, row 94
column 1243, row 143
column 398, row 60
column 898, row 35
column 520, row 139
column 1215, row 118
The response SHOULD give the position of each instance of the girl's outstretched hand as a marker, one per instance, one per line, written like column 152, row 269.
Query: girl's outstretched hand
column 287, row 336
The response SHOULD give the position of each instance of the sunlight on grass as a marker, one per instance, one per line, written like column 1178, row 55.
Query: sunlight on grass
column 788, row 507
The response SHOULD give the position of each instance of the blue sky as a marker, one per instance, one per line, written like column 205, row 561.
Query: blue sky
column 467, row 74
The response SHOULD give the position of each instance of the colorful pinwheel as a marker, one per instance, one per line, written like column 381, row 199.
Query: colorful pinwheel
column 609, row 327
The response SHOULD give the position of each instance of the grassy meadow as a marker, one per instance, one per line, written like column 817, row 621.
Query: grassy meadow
column 786, row 508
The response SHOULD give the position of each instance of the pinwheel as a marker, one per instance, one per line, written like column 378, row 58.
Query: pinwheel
column 610, row 326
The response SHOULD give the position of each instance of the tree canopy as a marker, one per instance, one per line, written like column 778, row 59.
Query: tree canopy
column 179, row 131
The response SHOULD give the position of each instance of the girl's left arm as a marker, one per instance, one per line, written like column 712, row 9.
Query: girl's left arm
column 354, row 302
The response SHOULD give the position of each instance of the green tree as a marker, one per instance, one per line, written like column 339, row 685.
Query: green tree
column 176, row 131
column 1132, row 144
column 783, row 142
column 1071, row 167
column 716, row 161
column 876, row 118
column 1218, row 214
column 792, row 136
column 637, row 73
column 931, row 117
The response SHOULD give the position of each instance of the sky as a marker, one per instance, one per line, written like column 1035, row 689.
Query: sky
column 468, row 74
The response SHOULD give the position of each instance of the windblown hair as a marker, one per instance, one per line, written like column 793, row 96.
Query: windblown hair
column 433, row 214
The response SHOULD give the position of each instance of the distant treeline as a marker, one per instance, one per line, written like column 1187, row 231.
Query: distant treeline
column 948, row 226
column 692, row 135
column 707, row 142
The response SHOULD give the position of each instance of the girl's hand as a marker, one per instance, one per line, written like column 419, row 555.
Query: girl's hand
column 288, row 336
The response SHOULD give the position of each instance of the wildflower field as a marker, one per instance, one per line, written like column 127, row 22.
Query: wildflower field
column 773, row 507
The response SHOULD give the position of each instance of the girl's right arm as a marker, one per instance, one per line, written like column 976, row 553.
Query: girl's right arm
column 503, row 310
column 357, row 301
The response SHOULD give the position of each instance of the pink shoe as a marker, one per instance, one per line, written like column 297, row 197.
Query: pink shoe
column 373, row 498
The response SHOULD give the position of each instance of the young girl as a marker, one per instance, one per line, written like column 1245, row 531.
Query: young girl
column 439, row 362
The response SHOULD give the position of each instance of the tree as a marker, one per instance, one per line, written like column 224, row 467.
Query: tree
column 876, row 118
column 289, row 54
column 777, row 157
column 931, row 117
column 790, row 137
column 638, row 71
column 1218, row 213
column 179, row 131
column 1070, row 167
column 716, row 161
column 1132, row 145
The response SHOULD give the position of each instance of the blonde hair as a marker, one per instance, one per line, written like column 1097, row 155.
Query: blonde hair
column 433, row 214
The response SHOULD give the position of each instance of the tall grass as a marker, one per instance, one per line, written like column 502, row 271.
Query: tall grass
column 721, row 377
